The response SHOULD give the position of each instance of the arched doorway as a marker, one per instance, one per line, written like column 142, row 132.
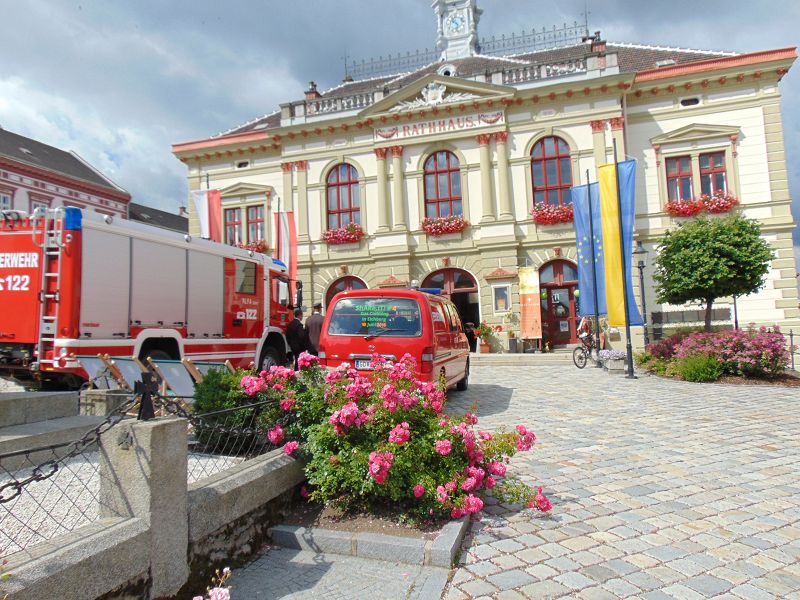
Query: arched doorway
column 559, row 280
column 343, row 284
column 462, row 290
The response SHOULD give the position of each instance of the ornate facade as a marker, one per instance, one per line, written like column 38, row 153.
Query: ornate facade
column 488, row 138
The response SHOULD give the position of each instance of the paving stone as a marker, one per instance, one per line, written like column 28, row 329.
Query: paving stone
column 545, row 589
column 599, row 573
column 477, row 587
column 511, row 580
column 574, row 581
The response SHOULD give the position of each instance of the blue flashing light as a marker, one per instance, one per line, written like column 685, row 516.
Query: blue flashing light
column 73, row 219
column 280, row 263
column 434, row 291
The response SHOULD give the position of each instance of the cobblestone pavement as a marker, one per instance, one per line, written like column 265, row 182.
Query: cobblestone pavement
column 294, row 575
column 661, row 489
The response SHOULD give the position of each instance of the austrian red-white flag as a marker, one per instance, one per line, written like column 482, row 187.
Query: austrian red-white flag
column 286, row 244
column 209, row 212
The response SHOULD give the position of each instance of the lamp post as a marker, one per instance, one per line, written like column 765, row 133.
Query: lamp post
column 641, row 253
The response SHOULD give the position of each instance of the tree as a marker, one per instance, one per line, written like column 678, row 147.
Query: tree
column 707, row 259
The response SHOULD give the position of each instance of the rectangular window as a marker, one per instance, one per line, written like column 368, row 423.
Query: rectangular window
column 5, row 201
column 255, row 223
column 245, row 277
column 501, row 295
column 233, row 226
column 385, row 317
column 712, row 173
column 679, row 178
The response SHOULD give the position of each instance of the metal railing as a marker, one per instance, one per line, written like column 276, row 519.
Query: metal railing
column 392, row 64
column 50, row 490
column 544, row 71
column 566, row 35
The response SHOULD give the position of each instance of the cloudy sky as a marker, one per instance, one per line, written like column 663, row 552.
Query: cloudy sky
column 119, row 82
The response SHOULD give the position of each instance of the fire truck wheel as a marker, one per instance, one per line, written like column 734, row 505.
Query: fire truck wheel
column 157, row 355
column 269, row 359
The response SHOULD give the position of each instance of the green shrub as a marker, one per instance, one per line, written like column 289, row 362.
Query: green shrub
column 219, row 390
column 651, row 363
column 698, row 368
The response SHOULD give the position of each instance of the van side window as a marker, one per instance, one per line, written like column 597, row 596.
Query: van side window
column 455, row 321
column 439, row 321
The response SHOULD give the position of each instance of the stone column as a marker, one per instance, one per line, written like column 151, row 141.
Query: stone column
column 286, row 196
column 618, row 134
column 302, row 200
column 383, row 201
column 599, row 142
column 503, row 183
column 143, row 468
column 398, row 183
column 487, row 190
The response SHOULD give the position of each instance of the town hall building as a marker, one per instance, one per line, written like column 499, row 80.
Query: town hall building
column 457, row 167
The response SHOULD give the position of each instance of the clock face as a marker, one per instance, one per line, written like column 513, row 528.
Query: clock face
column 455, row 23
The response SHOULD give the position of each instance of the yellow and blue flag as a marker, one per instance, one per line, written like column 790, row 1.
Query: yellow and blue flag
column 581, row 196
column 610, row 207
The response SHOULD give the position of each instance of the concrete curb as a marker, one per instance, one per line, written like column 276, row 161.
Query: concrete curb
column 439, row 552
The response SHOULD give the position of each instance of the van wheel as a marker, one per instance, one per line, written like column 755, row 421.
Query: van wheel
column 269, row 359
column 463, row 384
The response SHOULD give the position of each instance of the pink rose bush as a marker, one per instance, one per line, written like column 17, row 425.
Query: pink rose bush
column 385, row 440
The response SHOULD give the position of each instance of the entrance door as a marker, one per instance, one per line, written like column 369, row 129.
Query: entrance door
column 462, row 290
column 558, row 280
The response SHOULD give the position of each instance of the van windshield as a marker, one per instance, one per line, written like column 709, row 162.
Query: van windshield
column 387, row 317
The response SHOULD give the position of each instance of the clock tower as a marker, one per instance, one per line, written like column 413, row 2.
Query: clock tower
column 457, row 29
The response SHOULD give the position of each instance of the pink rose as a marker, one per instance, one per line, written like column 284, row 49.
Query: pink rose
column 496, row 468
column 419, row 490
column 275, row 435
column 444, row 447
column 290, row 447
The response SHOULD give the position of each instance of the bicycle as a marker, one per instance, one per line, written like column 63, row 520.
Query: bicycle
column 585, row 352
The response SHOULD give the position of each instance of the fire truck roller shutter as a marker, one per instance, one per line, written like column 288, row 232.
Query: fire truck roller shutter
column 105, row 285
column 206, row 295
column 158, row 280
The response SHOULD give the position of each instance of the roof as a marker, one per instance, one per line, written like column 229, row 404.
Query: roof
column 157, row 218
column 30, row 152
column 631, row 59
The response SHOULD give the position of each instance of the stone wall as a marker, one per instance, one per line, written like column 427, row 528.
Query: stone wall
column 157, row 536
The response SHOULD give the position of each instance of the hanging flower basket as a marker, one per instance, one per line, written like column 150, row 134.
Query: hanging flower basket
column 717, row 203
column 444, row 225
column 348, row 234
column 544, row 214
column 257, row 246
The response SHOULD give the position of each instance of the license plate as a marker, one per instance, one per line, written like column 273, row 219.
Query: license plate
column 363, row 365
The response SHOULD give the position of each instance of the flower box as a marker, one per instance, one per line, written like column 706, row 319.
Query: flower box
column 257, row 246
column 444, row 225
column 349, row 234
column 717, row 203
column 544, row 214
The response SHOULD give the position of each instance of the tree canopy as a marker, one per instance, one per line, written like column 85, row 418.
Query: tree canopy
column 707, row 259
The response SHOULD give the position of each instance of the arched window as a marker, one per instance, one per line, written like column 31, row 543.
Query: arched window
column 551, row 168
column 442, row 185
column 343, row 284
column 344, row 196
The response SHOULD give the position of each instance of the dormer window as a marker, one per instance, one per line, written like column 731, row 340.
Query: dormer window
column 447, row 70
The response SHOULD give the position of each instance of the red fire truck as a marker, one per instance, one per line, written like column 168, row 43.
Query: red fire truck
column 75, row 283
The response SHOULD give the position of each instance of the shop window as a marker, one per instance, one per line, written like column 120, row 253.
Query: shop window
column 442, row 185
column 551, row 169
column 5, row 201
column 255, row 223
column 344, row 196
column 679, row 178
column 233, row 226
column 712, row 173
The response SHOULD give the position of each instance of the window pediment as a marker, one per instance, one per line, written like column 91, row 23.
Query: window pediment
column 242, row 190
column 694, row 132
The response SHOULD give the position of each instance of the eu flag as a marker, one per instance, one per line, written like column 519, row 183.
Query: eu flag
column 588, row 251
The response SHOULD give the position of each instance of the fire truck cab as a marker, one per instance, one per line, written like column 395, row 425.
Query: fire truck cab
column 75, row 283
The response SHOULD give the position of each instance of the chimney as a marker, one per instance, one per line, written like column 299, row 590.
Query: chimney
column 311, row 92
column 182, row 212
column 598, row 44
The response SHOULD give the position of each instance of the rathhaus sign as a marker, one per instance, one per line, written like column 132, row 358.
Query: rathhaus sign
column 448, row 124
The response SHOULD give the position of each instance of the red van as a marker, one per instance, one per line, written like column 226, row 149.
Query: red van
column 392, row 323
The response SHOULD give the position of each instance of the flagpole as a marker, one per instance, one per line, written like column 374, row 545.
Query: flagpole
column 598, row 364
column 628, row 347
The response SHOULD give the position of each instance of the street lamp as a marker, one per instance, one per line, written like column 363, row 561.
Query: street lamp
column 641, row 253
